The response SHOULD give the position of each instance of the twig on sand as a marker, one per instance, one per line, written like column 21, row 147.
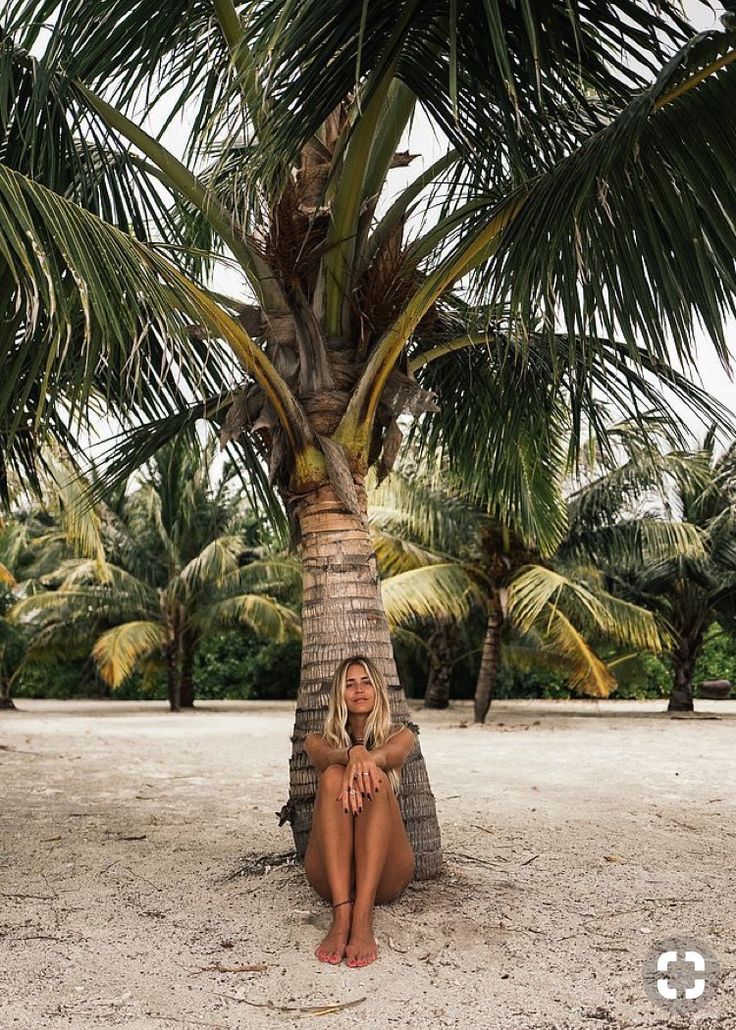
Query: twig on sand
column 218, row 968
column 315, row 1010
column 193, row 1022
column 132, row 873
column 257, row 865
column 472, row 859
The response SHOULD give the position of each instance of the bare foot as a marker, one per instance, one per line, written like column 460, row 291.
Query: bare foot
column 361, row 948
column 332, row 948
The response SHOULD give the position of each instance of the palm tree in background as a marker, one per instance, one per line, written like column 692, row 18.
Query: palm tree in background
column 688, row 591
column 174, row 563
column 573, row 185
column 432, row 542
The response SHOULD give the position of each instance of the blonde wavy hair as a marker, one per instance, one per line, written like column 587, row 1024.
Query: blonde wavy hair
column 377, row 725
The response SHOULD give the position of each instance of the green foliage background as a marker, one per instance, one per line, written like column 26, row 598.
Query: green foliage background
column 239, row 665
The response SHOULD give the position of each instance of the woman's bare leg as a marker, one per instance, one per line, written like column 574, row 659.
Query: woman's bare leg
column 384, row 864
column 328, row 860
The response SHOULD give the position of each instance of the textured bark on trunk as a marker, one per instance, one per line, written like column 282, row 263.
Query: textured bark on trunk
column 437, row 694
column 683, row 658
column 343, row 613
column 488, row 672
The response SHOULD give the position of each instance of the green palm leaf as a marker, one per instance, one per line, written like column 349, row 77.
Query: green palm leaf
column 638, row 221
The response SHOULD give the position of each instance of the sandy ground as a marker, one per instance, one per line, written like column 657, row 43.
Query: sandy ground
column 575, row 835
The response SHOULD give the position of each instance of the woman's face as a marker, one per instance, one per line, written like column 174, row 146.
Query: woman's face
column 360, row 694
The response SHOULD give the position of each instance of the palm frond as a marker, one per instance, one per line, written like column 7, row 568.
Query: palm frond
column 95, row 314
column 210, row 568
column 508, row 451
column 395, row 554
column 432, row 592
column 539, row 596
column 179, row 57
column 490, row 75
column 263, row 615
column 638, row 222
column 118, row 651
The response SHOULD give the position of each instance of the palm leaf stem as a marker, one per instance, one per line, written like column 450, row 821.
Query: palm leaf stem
column 354, row 429
column 232, row 30
column 287, row 407
column 694, row 80
column 341, row 238
column 459, row 343
column 348, row 196
column 400, row 206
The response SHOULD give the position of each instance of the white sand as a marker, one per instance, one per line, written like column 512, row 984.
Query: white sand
column 535, row 929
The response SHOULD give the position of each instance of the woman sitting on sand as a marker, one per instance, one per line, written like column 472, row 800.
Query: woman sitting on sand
column 359, row 854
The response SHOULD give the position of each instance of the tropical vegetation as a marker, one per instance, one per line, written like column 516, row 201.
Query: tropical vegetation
column 173, row 563
column 581, row 214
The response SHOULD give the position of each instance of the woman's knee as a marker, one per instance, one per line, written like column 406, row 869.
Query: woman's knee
column 332, row 776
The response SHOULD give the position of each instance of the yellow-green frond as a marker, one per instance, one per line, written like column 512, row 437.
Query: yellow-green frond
column 537, row 592
column 261, row 614
column 432, row 592
column 212, row 565
column 118, row 651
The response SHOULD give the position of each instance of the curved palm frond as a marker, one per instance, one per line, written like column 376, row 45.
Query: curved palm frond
column 540, row 596
column 395, row 554
column 210, row 568
column 180, row 55
column 91, row 311
column 627, row 542
column 435, row 591
column 638, row 222
column 424, row 505
column 263, row 615
column 269, row 574
column 488, row 74
column 118, row 651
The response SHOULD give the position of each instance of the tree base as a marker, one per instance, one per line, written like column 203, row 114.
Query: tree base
column 442, row 703
column 7, row 704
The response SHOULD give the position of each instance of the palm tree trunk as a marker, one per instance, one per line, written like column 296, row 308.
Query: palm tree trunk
column 188, row 648
column 342, row 613
column 6, row 701
column 488, row 672
column 683, row 660
column 173, row 682
column 442, row 641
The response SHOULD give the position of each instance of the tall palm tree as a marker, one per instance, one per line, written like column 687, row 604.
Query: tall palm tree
column 574, row 184
column 688, row 591
column 175, row 564
column 558, row 611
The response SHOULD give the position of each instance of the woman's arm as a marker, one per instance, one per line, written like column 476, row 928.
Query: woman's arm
column 321, row 754
column 395, row 751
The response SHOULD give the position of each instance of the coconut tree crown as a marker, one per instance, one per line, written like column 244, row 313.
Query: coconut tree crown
column 573, row 187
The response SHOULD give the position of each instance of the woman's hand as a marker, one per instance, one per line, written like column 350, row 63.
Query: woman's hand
column 363, row 775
